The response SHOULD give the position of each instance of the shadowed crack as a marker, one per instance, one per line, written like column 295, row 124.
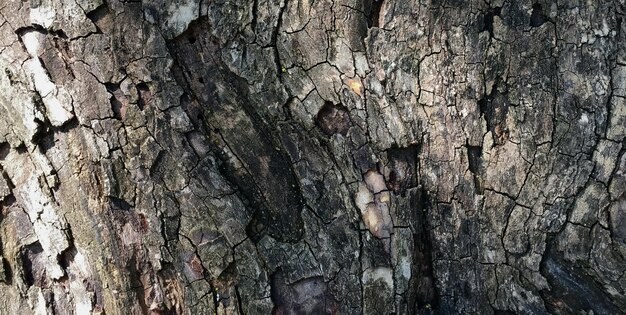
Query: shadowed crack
column 373, row 18
column 422, row 289
column 571, row 289
column 537, row 18
column 488, row 20
column 494, row 108
column 97, row 16
column 119, row 102
column 253, row 159
column 34, row 265
column 475, row 163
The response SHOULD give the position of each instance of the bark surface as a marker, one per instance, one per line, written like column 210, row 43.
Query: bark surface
column 330, row 156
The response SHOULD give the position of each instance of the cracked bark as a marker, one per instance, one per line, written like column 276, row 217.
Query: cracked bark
column 341, row 156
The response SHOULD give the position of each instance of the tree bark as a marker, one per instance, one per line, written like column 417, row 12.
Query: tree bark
column 331, row 156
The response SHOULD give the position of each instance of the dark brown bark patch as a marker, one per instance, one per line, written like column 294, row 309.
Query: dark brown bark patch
column 402, row 173
column 33, row 264
column 333, row 119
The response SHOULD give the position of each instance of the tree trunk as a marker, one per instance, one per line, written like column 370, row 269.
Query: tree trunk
column 288, row 157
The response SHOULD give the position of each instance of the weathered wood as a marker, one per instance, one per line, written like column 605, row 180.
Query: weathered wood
column 346, row 157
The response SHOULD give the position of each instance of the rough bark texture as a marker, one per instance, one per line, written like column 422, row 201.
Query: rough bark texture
column 330, row 156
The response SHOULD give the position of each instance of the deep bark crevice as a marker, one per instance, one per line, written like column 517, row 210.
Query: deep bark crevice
column 571, row 289
column 33, row 265
column 487, row 21
column 475, row 166
column 373, row 18
column 494, row 107
column 537, row 17
column 422, row 289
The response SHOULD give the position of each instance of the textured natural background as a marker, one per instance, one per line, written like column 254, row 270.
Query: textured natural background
column 312, row 156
